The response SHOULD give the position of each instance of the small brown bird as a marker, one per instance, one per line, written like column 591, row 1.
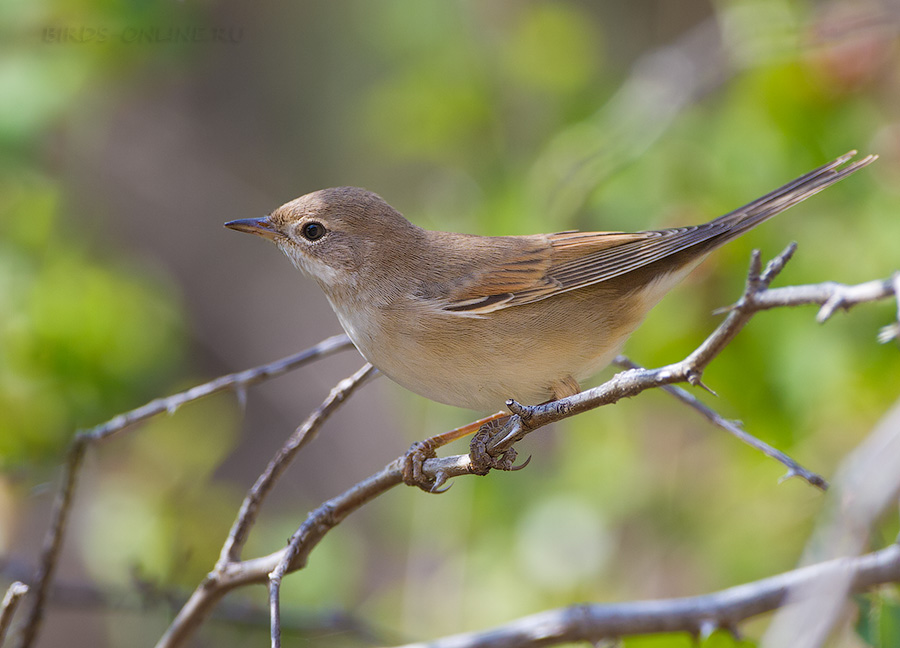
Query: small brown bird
column 474, row 320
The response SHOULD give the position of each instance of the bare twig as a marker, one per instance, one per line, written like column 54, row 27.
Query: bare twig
column 140, row 595
column 696, row 614
column 237, row 537
column 53, row 539
column 14, row 594
column 830, row 294
column 256, row 570
column 207, row 595
column 303, row 435
column 235, row 381
column 734, row 428
column 62, row 504
column 659, row 86
column 342, row 391
column 275, row 604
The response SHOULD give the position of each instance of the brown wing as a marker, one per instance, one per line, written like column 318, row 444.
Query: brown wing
column 523, row 271
column 572, row 260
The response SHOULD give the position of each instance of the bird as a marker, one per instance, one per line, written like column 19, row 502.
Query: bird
column 472, row 321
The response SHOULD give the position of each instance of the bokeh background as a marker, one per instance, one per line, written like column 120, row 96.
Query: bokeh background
column 131, row 131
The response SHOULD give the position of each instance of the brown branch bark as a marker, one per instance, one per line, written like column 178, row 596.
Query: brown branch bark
column 810, row 597
column 734, row 428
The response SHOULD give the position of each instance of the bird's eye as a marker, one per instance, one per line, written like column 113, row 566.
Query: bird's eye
column 313, row 231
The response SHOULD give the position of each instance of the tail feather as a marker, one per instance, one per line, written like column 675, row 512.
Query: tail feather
column 762, row 209
column 696, row 240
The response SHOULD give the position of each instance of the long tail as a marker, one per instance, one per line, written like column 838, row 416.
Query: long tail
column 697, row 240
column 688, row 244
column 762, row 209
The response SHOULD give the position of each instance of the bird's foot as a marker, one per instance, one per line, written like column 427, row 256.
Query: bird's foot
column 413, row 466
column 481, row 460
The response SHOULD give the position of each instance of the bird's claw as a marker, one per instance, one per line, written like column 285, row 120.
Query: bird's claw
column 481, row 461
column 413, row 471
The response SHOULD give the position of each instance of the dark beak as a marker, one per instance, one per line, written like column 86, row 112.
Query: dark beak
column 260, row 226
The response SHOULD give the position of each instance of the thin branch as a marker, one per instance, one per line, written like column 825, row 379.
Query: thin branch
column 328, row 519
column 275, row 604
column 256, row 570
column 141, row 594
column 695, row 614
column 56, row 531
column 237, row 537
column 832, row 296
column 235, row 381
column 734, row 428
column 53, row 539
column 208, row 593
column 14, row 594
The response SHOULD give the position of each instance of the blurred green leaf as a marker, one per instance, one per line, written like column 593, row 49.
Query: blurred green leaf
column 78, row 339
column 553, row 48
column 879, row 618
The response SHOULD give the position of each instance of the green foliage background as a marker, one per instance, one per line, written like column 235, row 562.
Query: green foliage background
column 471, row 117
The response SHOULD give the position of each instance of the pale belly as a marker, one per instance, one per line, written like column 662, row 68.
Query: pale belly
column 480, row 363
column 520, row 352
column 470, row 382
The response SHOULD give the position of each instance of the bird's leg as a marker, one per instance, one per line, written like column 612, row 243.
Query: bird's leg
column 413, row 474
column 482, row 460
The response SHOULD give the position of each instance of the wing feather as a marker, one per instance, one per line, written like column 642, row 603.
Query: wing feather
column 558, row 263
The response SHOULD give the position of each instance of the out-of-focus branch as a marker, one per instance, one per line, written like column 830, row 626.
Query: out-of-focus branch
column 236, row 381
column 659, row 86
column 892, row 331
column 53, row 540
column 867, row 484
column 62, row 505
column 14, row 594
column 140, row 595
column 698, row 615
column 665, row 82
